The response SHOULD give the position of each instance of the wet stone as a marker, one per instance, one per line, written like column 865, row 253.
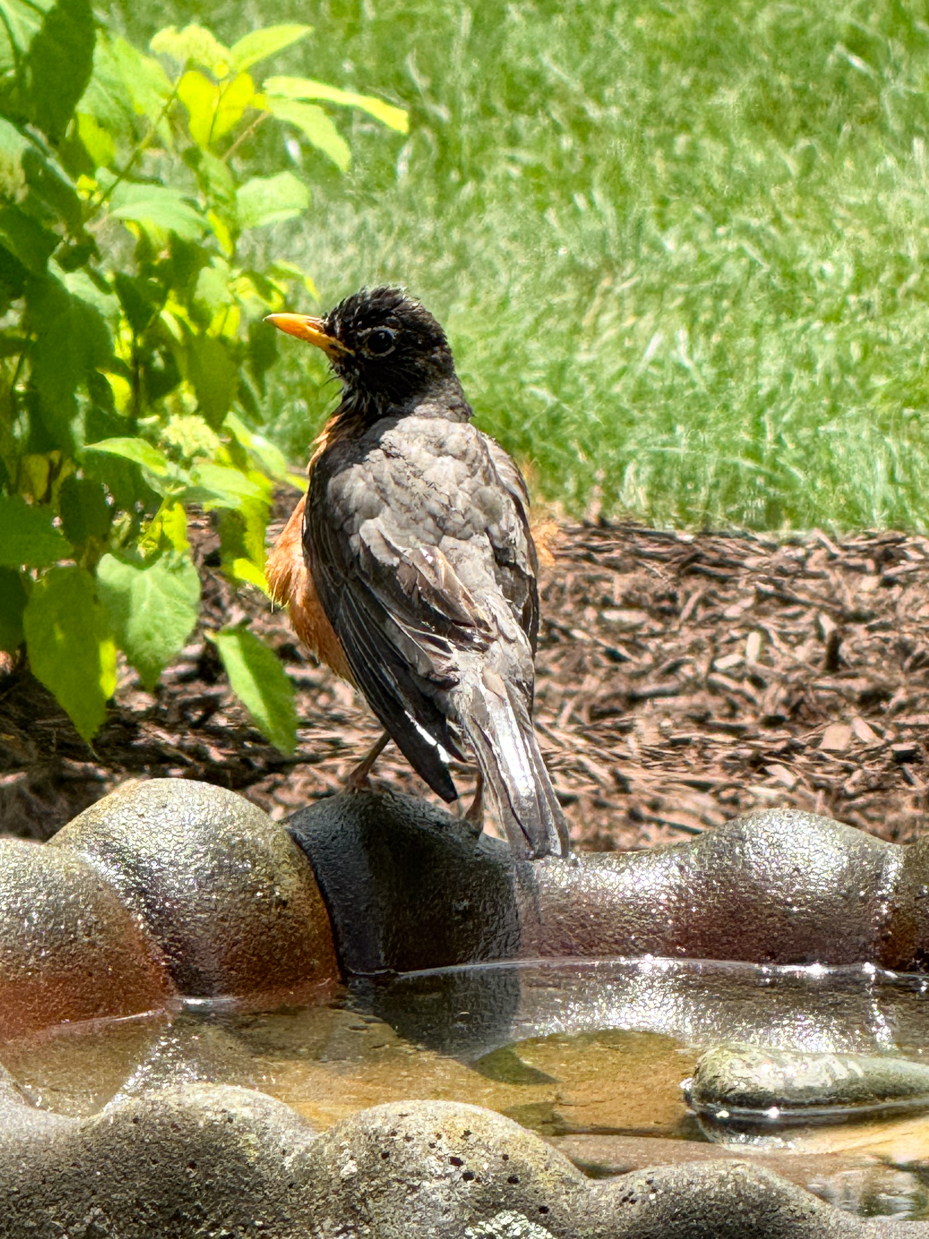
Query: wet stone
column 784, row 1086
column 776, row 886
column 408, row 885
column 226, row 894
column 411, row 888
column 69, row 947
column 907, row 944
column 854, row 1182
column 76, row 1069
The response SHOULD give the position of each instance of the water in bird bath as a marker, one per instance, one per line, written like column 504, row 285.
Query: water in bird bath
column 589, row 1054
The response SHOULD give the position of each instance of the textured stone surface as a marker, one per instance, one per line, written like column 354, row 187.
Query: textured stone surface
column 224, row 891
column 399, row 1169
column 408, row 1171
column 858, row 1182
column 778, row 886
column 196, row 1160
column 76, row 1070
column 69, row 947
column 217, row 1160
column 407, row 885
column 907, row 944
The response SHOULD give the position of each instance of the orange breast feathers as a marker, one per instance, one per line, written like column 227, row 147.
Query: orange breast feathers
column 291, row 582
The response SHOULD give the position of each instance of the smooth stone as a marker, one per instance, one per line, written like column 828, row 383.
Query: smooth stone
column 408, row 886
column 70, row 949
column 778, row 886
column 741, row 1081
column 224, row 891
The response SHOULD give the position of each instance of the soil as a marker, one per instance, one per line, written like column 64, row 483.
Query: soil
column 682, row 678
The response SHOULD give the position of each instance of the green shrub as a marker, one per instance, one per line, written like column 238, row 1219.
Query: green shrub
column 133, row 353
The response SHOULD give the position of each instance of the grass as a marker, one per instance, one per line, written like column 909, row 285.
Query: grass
column 680, row 248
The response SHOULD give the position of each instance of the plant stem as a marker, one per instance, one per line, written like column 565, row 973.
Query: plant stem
column 246, row 133
column 140, row 147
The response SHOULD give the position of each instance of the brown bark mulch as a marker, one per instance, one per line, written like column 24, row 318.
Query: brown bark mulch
column 682, row 678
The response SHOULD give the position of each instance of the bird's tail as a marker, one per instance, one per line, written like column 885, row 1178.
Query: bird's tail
column 499, row 729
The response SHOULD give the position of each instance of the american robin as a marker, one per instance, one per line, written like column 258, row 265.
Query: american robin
column 410, row 567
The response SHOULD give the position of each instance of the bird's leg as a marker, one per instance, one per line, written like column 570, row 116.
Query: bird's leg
column 358, row 779
column 475, row 813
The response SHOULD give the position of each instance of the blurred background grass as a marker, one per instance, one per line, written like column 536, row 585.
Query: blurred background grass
column 680, row 248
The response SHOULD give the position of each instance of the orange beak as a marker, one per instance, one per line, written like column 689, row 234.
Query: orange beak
column 313, row 330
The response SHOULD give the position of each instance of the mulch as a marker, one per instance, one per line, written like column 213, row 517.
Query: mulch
column 682, row 678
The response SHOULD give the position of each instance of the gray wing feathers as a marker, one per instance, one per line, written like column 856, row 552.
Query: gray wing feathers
column 499, row 730
column 420, row 546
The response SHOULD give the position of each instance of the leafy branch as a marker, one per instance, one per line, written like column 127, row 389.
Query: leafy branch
column 133, row 354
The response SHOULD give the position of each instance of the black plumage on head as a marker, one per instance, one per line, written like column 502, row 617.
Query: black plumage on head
column 392, row 347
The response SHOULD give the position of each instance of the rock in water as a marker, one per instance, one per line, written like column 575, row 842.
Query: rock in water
column 754, row 1084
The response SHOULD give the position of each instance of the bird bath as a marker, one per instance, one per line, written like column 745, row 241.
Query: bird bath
column 362, row 1061
column 590, row 1055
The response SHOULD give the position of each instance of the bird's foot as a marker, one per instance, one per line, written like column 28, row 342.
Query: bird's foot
column 475, row 811
column 358, row 779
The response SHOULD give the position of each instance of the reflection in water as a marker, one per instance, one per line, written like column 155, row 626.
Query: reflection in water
column 470, row 1011
column 590, row 1050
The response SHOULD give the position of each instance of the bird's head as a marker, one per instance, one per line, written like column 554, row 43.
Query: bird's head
column 381, row 343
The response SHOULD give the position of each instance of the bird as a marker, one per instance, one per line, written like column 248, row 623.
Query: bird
column 409, row 565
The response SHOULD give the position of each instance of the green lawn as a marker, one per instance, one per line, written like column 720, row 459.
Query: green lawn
column 680, row 248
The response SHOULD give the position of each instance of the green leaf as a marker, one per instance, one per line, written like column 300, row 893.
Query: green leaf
column 57, row 66
column 136, row 450
column 212, row 290
column 20, row 22
column 155, row 206
column 249, row 573
column 261, row 684
column 70, row 646
column 12, row 605
column 125, row 84
column 272, row 459
column 259, row 44
column 26, row 239
column 200, row 97
column 193, row 45
column 213, row 176
column 85, row 512
column 269, row 199
column 98, row 142
column 51, row 190
column 72, row 343
column 27, row 535
column 153, row 607
column 13, row 144
column 315, row 125
column 233, row 101
column 141, row 298
column 148, row 85
column 225, row 487
column 306, row 88
column 214, row 375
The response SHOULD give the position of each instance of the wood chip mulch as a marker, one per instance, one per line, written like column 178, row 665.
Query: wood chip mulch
column 682, row 678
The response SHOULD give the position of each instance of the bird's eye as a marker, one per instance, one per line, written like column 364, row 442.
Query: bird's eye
column 380, row 341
